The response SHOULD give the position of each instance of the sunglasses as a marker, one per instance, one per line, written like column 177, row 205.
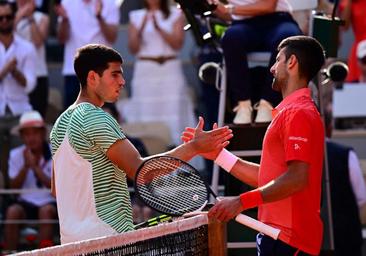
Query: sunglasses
column 6, row 17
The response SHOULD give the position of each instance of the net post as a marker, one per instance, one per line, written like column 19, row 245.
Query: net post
column 217, row 238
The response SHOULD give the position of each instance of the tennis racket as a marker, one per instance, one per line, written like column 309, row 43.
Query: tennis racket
column 172, row 186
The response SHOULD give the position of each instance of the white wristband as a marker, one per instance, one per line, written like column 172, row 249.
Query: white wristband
column 226, row 160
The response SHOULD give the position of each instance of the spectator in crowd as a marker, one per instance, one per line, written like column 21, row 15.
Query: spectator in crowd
column 80, row 23
column 361, row 60
column 17, row 77
column 348, row 195
column 33, row 26
column 30, row 167
column 17, row 58
column 354, row 12
column 159, row 88
column 257, row 25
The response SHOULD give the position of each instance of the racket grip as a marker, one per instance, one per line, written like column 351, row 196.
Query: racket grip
column 259, row 226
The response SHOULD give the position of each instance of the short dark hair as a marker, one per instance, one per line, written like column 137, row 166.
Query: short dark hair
column 308, row 51
column 12, row 4
column 93, row 57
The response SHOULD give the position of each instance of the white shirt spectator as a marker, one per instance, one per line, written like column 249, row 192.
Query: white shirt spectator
column 85, row 28
column 12, row 94
column 156, row 45
column 16, row 162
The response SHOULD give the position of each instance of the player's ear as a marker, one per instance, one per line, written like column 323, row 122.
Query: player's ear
column 292, row 61
column 92, row 77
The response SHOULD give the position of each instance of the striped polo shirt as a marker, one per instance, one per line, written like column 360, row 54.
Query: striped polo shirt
column 91, row 192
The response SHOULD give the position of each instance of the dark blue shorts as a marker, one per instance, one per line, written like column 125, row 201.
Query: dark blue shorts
column 267, row 246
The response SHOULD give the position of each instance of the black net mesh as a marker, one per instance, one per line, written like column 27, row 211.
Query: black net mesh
column 181, row 237
column 192, row 242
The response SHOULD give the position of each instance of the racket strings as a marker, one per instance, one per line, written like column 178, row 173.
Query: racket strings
column 174, row 189
column 170, row 186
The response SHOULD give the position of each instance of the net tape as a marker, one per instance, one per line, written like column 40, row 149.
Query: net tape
column 182, row 237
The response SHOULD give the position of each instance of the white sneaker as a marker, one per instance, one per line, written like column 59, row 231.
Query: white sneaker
column 243, row 113
column 264, row 111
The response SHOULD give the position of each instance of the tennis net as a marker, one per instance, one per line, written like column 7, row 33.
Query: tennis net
column 182, row 237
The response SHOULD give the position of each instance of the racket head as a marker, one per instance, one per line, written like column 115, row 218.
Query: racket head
column 170, row 185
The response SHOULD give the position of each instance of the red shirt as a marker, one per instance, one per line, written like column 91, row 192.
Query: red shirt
column 295, row 133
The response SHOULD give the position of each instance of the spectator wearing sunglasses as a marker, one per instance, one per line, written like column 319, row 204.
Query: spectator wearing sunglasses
column 17, row 70
column 30, row 167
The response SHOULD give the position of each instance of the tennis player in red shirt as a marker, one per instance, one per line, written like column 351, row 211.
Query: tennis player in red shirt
column 288, row 178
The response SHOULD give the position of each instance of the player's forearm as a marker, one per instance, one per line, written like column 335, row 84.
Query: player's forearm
column 184, row 152
column 284, row 186
column 246, row 172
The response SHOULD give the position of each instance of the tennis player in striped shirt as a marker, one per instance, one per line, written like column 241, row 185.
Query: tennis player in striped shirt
column 92, row 157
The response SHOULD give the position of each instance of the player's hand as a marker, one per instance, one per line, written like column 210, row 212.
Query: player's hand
column 226, row 209
column 207, row 141
column 189, row 133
